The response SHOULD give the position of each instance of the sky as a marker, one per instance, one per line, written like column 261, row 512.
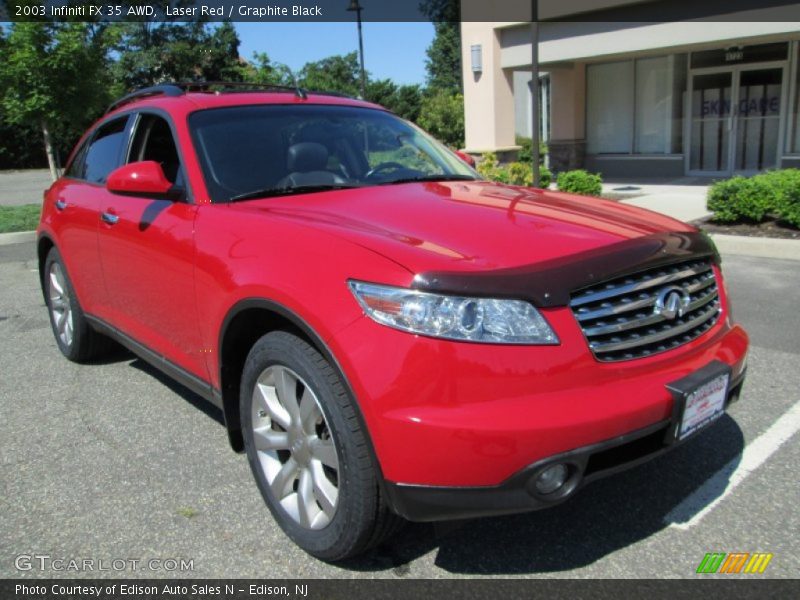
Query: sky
column 391, row 50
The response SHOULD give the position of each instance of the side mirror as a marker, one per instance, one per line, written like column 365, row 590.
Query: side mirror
column 466, row 158
column 145, row 178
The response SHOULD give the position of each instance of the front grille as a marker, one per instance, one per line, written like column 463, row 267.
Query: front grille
column 619, row 317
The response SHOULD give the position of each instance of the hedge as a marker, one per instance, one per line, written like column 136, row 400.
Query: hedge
column 774, row 194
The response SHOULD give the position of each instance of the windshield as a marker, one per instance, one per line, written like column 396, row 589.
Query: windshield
column 268, row 150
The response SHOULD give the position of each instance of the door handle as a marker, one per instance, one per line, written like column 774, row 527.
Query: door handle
column 109, row 218
column 61, row 204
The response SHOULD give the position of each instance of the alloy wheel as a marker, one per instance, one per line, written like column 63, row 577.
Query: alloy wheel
column 294, row 447
column 60, row 305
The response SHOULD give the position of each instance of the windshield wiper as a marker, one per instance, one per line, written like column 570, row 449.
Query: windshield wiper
column 441, row 177
column 288, row 191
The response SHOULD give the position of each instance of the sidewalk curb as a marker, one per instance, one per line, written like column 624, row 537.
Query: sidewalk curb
column 17, row 237
column 757, row 246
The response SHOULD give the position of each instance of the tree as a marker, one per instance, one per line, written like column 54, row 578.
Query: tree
column 152, row 53
column 442, row 115
column 339, row 73
column 264, row 70
column 381, row 91
column 407, row 102
column 222, row 61
column 403, row 100
column 443, row 64
column 54, row 75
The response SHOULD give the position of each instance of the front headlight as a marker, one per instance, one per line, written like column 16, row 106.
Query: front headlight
column 487, row 320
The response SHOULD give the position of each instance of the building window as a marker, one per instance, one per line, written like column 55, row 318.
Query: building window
column 635, row 106
column 653, row 106
column 609, row 108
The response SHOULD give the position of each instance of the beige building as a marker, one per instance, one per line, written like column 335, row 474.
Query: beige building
column 647, row 98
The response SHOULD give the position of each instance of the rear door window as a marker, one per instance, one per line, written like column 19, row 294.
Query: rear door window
column 105, row 151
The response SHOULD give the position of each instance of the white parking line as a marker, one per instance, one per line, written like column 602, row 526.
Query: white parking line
column 702, row 501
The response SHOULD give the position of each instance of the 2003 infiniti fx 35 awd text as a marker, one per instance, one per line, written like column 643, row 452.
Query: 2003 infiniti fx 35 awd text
column 387, row 335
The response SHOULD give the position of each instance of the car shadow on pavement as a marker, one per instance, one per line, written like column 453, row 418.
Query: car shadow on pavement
column 195, row 400
column 602, row 518
column 119, row 354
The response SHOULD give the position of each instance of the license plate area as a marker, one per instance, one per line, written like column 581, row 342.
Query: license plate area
column 700, row 399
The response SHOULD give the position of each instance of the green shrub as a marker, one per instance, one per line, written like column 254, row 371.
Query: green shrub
column 487, row 166
column 775, row 193
column 515, row 173
column 580, row 182
column 723, row 199
column 758, row 196
column 524, row 154
column 787, row 202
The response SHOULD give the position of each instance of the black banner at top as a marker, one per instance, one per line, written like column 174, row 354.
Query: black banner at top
column 505, row 11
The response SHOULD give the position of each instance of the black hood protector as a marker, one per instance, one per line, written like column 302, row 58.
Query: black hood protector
column 550, row 283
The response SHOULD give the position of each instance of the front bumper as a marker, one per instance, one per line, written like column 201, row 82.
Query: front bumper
column 447, row 414
column 518, row 493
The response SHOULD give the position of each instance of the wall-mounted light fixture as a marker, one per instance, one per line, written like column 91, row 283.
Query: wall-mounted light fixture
column 477, row 58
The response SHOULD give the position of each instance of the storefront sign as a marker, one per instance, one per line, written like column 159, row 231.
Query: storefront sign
column 753, row 107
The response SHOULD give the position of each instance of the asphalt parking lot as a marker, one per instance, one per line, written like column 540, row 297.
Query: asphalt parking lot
column 24, row 186
column 114, row 461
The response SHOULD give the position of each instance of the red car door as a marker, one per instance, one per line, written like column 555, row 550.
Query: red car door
column 74, row 208
column 147, row 254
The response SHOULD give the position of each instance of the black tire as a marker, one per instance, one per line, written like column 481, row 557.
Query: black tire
column 85, row 344
column 361, row 519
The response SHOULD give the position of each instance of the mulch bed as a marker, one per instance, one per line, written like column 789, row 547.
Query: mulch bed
column 768, row 229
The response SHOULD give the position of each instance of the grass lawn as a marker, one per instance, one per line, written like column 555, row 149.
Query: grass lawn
column 19, row 218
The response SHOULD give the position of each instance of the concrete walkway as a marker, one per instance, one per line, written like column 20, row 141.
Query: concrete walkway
column 683, row 199
column 23, row 187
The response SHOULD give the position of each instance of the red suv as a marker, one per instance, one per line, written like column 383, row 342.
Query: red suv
column 386, row 334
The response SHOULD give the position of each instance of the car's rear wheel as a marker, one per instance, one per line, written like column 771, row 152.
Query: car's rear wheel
column 307, row 450
column 74, row 335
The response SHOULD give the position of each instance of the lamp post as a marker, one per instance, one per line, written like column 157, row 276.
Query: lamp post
column 535, row 92
column 357, row 8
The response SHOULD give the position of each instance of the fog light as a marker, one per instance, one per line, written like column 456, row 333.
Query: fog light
column 552, row 478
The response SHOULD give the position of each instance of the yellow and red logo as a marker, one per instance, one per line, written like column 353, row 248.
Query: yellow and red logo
column 735, row 562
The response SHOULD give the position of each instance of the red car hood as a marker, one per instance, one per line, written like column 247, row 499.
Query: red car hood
column 467, row 226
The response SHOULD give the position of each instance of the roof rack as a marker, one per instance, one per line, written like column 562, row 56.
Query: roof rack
column 245, row 86
column 240, row 86
column 166, row 89
column 173, row 89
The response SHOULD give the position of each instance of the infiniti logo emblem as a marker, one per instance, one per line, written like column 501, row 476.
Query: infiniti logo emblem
column 671, row 302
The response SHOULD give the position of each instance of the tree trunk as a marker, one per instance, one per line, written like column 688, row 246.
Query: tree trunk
column 49, row 150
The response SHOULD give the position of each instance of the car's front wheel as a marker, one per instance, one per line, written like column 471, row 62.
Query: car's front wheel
column 308, row 452
column 75, row 337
